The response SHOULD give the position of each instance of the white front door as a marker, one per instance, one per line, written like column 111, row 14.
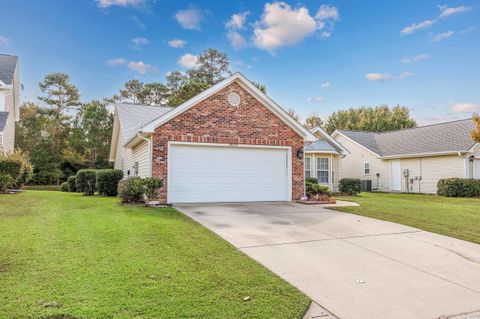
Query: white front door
column 395, row 176
column 476, row 169
column 209, row 173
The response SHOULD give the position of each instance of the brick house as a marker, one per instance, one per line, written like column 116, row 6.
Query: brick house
column 230, row 143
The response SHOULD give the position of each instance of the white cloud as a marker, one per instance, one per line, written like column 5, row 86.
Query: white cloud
column 140, row 67
column 465, row 107
column 442, row 36
column 120, row 3
column 378, row 76
column 325, row 85
column 326, row 16
column 417, row 26
column 237, row 41
column 177, row 43
column 116, row 61
column 416, row 58
column 188, row 61
column 445, row 11
column 282, row 25
column 237, row 21
column 405, row 75
column 137, row 43
column 4, row 41
column 190, row 18
column 315, row 99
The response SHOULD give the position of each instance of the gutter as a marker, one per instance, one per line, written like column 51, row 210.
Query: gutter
column 459, row 153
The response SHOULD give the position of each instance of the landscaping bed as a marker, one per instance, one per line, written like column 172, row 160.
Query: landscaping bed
column 65, row 255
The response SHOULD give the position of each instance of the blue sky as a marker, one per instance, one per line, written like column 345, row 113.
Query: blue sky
column 313, row 56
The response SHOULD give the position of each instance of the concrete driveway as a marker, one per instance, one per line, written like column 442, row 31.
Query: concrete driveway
column 353, row 266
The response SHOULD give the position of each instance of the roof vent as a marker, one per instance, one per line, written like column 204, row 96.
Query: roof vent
column 233, row 99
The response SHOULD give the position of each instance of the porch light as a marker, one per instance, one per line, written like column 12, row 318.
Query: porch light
column 300, row 153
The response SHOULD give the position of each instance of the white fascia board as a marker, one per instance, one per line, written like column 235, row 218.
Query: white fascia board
column 115, row 137
column 245, row 83
column 429, row 154
column 322, row 152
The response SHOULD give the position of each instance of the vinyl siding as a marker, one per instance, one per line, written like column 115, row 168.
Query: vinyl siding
column 8, row 134
column 353, row 165
column 334, row 167
column 141, row 154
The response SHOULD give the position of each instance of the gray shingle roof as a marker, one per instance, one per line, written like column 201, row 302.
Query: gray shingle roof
column 134, row 116
column 8, row 63
column 443, row 137
column 320, row 145
column 3, row 120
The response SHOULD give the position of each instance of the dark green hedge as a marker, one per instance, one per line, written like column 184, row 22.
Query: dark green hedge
column 350, row 186
column 72, row 184
column 64, row 187
column 107, row 181
column 86, row 179
column 133, row 189
column 459, row 187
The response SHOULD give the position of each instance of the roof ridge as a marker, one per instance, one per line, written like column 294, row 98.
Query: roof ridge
column 422, row 126
column 15, row 56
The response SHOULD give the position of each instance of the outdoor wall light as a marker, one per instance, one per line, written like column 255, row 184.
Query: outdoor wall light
column 300, row 153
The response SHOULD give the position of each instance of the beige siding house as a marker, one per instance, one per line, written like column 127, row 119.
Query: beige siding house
column 322, row 159
column 9, row 101
column 411, row 160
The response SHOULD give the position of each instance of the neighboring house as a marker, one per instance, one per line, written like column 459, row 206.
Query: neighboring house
column 411, row 160
column 9, row 101
column 322, row 159
column 229, row 143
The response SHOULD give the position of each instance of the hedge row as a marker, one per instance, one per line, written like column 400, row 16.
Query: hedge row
column 459, row 187
column 15, row 171
column 137, row 190
column 87, row 181
column 350, row 186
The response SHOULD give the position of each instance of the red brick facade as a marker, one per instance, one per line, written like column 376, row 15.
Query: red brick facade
column 215, row 121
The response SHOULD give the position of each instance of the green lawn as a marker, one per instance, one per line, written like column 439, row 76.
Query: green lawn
column 64, row 255
column 454, row 217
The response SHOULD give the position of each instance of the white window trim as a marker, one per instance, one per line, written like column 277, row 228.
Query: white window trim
column 329, row 171
column 309, row 159
column 365, row 168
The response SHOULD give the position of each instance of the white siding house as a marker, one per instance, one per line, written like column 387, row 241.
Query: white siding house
column 9, row 101
column 411, row 160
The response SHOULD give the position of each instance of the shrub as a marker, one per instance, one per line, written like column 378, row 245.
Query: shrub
column 313, row 189
column 458, row 187
column 72, row 184
column 46, row 177
column 350, row 186
column 130, row 190
column 65, row 187
column 150, row 187
column 86, row 179
column 11, row 167
column 107, row 181
column 311, row 180
column 5, row 182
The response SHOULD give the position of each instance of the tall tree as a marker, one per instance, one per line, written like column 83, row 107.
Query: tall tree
column 155, row 93
column 260, row 86
column 372, row 119
column 476, row 130
column 186, row 92
column 313, row 121
column 212, row 67
column 91, row 133
column 58, row 92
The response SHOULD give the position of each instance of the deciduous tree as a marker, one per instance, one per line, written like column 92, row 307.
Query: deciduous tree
column 476, row 130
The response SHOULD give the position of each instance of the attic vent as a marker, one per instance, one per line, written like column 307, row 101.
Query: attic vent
column 234, row 99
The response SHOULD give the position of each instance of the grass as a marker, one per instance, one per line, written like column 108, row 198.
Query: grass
column 454, row 217
column 42, row 187
column 64, row 255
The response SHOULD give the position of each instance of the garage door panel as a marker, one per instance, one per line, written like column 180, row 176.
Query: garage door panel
column 223, row 174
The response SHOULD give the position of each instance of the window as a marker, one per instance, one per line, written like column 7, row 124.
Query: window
column 308, row 167
column 323, row 170
column 135, row 169
column 367, row 168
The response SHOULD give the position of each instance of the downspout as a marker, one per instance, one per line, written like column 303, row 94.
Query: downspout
column 150, row 160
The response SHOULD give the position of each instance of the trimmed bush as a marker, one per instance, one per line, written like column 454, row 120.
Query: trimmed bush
column 65, row 187
column 86, row 179
column 150, row 187
column 313, row 189
column 72, row 184
column 130, row 190
column 17, row 167
column 107, row 181
column 458, row 187
column 5, row 182
column 350, row 186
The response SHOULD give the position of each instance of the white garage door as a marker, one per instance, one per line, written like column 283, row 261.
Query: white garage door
column 476, row 169
column 227, row 174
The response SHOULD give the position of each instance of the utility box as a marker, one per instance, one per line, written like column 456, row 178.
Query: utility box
column 366, row 186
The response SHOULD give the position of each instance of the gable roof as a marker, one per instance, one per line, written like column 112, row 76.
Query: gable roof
column 449, row 137
column 8, row 64
column 249, row 87
column 3, row 120
column 133, row 116
column 326, row 143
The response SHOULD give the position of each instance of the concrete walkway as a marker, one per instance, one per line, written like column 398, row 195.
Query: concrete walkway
column 355, row 267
